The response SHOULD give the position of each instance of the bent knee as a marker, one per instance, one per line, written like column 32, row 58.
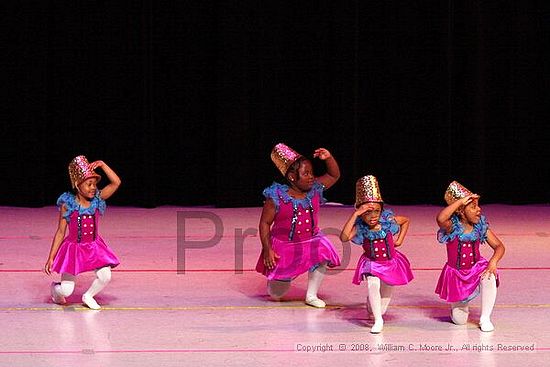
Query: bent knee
column 277, row 289
column 66, row 288
column 104, row 275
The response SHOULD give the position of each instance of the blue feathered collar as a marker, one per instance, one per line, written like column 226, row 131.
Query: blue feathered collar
column 279, row 191
column 387, row 223
column 69, row 200
column 457, row 229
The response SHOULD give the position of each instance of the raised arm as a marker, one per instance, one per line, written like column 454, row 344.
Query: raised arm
column 349, row 231
column 444, row 217
column 114, row 180
column 333, row 171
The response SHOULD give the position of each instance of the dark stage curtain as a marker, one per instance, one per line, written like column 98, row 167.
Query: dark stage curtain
column 185, row 99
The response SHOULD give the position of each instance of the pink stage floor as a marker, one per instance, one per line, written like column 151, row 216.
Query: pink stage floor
column 216, row 311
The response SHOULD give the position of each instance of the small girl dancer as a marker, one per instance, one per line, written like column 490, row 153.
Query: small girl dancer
column 463, row 229
column 83, row 249
column 291, row 241
column 381, row 265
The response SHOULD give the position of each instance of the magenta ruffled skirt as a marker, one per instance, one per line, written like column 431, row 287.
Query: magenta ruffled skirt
column 460, row 285
column 396, row 271
column 75, row 258
column 298, row 257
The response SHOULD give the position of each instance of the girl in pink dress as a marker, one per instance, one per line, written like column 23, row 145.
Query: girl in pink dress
column 289, row 227
column 83, row 249
column 381, row 265
column 466, row 274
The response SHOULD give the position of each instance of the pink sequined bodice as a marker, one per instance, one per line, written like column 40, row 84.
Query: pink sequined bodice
column 462, row 255
column 305, row 218
column 83, row 227
column 380, row 249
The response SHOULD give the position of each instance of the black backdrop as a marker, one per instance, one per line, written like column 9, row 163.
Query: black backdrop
column 184, row 99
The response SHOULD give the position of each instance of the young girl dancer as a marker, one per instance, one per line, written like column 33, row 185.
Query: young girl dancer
column 381, row 265
column 291, row 241
column 83, row 249
column 463, row 229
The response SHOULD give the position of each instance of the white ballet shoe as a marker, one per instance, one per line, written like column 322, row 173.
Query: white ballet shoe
column 486, row 325
column 90, row 302
column 315, row 302
column 459, row 315
column 377, row 327
column 459, row 320
column 56, row 297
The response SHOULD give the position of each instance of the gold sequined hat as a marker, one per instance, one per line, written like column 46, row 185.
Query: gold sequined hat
column 455, row 192
column 283, row 156
column 367, row 190
column 80, row 170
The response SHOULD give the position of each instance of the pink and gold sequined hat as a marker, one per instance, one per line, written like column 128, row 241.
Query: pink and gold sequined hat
column 455, row 192
column 367, row 190
column 283, row 156
column 80, row 170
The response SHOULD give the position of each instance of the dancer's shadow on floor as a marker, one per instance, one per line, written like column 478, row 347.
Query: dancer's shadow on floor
column 74, row 301
column 295, row 294
column 358, row 314
column 426, row 309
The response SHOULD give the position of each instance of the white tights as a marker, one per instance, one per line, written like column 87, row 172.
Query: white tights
column 277, row 289
column 379, row 294
column 460, row 310
column 66, row 287
column 379, row 299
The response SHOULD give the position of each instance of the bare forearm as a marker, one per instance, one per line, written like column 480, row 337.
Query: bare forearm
column 58, row 238
column 111, row 175
column 333, row 170
column 445, row 214
column 347, row 231
column 498, row 253
column 403, row 232
column 265, row 236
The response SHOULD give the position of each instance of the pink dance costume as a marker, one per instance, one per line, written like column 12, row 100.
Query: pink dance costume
column 380, row 258
column 83, row 249
column 460, row 277
column 295, row 236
